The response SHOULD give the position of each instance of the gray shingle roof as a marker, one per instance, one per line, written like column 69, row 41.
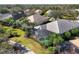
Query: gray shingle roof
column 60, row 26
column 5, row 16
column 37, row 19
column 38, row 11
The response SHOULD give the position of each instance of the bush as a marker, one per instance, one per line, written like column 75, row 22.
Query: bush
column 55, row 39
column 4, row 10
column 24, row 27
column 75, row 32
column 67, row 35
column 12, row 33
column 52, row 40
column 45, row 42
column 52, row 49
column 9, row 21
column 2, row 30
column 15, row 34
column 17, row 24
column 6, row 48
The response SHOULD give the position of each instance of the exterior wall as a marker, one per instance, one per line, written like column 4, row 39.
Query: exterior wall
column 41, row 33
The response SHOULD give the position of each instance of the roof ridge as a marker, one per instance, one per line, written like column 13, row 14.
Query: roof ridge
column 58, row 26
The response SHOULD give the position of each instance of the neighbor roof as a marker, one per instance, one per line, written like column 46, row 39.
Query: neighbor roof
column 38, row 11
column 49, row 11
column 77, row 17
column 27, row 10
column 77, row 9
column 75, row 42
column 37, row 19
column 5, row 16
column 60, row 26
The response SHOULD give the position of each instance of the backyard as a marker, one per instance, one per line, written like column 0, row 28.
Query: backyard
column 30, row 43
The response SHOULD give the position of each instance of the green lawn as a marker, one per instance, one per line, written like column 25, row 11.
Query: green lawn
column 30, row 43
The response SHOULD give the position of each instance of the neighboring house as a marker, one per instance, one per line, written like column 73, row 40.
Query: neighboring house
column 4, row 16
column 37, row 19
column 27, row 12
column 77, row 10
column 75, row 21
column 75, row 45
column 49, row 13
column 18, row 15
column 38, row 11
column 77, row 17
column 75, row 42
column 69, row 47
column 52, row 19
column 58, row 26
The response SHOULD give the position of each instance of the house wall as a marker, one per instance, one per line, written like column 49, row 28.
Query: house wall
column 41, row 33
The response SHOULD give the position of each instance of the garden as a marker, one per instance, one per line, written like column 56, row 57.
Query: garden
column 17, row 35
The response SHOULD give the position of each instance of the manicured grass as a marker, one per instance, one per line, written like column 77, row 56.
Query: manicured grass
column 30, row 43
column 20, row 32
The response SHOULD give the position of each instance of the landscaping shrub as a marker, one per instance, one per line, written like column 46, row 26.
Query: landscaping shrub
column 52, row 40
column 52, row 49
column 45, row 42
column 55, row 39
column 75, row 32
column 8, row 22
column 12, row 33
column 4, row 10
column 67, row 35
column 2, row 30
